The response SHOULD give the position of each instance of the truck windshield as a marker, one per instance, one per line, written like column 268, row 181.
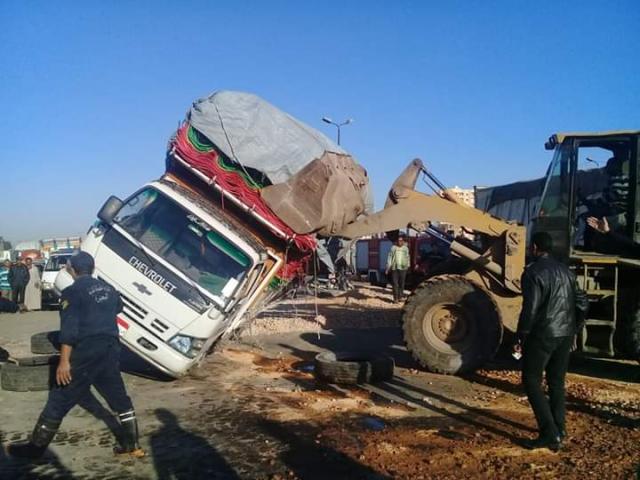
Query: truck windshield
column 185, row 241
column 56, row 262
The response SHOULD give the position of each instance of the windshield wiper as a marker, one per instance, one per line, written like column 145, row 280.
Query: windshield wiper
column 194, row 286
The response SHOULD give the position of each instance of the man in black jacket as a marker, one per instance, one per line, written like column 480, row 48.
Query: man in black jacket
column 622, row 243
column 18, row 279
column 546, row 329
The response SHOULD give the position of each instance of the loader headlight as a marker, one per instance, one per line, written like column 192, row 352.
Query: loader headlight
column 186, row 345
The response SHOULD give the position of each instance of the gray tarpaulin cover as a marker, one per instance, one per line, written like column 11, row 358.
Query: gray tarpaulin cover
column 256, row 134
column 317, row 187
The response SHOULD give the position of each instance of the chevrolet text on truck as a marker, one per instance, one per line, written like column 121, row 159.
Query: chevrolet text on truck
column 197, row 252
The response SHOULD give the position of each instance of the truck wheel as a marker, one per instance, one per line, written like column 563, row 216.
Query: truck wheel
column 352, row 368
column 45, row 342
column 451, row 325
column 30, row 375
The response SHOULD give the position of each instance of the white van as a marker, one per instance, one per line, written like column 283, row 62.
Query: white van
column 56, row 262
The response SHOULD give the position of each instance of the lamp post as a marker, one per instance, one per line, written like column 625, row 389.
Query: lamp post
column 337, row 125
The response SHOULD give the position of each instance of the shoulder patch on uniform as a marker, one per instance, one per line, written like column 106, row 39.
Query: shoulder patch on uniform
column 64, row 304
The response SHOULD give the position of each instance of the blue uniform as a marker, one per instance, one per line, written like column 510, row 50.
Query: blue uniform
column 88, row 324
column 89, row 308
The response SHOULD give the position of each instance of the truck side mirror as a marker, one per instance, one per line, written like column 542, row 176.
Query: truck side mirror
column 110, row 209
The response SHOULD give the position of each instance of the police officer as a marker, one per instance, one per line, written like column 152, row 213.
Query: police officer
column 89, row 355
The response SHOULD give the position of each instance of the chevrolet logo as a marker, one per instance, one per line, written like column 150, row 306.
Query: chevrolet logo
column 141, row 288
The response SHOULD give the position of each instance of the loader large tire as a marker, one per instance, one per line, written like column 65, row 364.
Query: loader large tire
column 451, row 325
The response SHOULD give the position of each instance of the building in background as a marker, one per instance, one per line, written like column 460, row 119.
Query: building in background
column 467, row 195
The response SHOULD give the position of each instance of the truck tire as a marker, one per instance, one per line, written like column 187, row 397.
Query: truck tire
column 351, row 368
column 451, row 325
column 32, row 374
column 45, row 343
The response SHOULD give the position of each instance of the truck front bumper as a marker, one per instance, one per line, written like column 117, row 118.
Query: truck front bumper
column 153, row 349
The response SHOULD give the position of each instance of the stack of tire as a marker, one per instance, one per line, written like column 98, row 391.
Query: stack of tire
column 36, row 373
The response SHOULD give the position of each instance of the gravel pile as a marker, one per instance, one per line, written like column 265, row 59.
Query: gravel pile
column 363, row 307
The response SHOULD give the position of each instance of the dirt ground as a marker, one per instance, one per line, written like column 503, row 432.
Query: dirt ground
column 256, row 411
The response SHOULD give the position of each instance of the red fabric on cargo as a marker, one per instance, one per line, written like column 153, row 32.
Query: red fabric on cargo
column 207, row 163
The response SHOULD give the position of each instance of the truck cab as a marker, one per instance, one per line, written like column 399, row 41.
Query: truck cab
column 187, row 271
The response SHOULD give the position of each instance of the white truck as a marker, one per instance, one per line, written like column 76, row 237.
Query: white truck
column 200, row 250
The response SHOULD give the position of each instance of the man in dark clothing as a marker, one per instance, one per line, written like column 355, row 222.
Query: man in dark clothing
column 18, row 279
column 89, row 355
column 8, row 306
column 623, row 244
column 546, row 329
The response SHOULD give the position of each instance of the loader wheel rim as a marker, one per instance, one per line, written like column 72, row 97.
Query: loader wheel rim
column 449, row 322
column 449, row 326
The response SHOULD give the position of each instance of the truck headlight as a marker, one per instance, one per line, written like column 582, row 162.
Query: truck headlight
column 47, row 286
column 186, row 345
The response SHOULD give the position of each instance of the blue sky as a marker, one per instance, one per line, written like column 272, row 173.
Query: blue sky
column 92, row 90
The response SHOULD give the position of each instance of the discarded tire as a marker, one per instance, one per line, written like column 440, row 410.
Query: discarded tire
column 451, row 325
column 45, row 343
column 352, row 368
column 32, row 374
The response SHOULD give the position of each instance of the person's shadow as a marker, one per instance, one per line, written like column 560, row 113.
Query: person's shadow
column 178, row 454
column 49, row 467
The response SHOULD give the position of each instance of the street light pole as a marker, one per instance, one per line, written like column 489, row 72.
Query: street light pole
column 337, row 125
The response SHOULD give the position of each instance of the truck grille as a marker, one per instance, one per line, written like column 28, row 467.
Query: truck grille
column 159, row 326
column 132, row 309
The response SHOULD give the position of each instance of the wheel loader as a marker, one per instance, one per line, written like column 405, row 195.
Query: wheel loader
column 455, row 321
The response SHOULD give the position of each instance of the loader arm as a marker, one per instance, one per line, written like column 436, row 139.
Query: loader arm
column 504, row 259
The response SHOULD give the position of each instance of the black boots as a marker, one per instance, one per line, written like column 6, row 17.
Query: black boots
column 128, row 435
column 41, row 437
column 552, row 443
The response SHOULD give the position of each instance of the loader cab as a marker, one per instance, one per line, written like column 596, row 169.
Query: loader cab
column 596, row 175
column 590, row 175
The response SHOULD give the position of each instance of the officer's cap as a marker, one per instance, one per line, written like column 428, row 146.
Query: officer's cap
column 82, row 263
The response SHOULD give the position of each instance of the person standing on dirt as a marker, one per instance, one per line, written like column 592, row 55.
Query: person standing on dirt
column 398, row 264
column 546, row 329
column 89, row 355
column 18, row 279
column 5, row 286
